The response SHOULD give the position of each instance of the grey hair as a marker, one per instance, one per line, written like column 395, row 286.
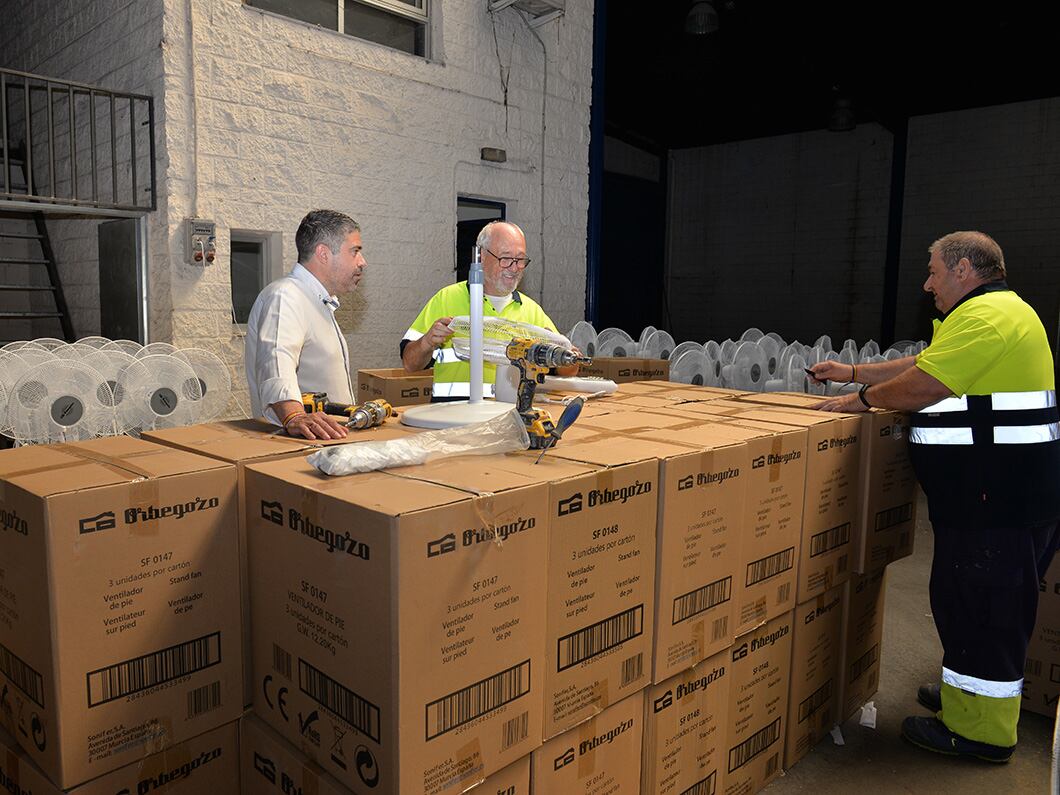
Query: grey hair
column 981, row 250
column 329, row 227
column 485, row 237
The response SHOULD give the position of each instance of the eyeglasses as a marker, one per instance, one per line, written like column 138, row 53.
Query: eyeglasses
column 511, row 262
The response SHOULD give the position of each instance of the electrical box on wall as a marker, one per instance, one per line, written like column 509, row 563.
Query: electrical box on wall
column 201, row 238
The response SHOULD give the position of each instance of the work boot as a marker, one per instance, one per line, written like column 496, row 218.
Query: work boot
column 930, row 696
column 931, row 734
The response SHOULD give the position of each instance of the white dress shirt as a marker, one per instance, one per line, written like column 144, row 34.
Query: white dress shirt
column 294, row 344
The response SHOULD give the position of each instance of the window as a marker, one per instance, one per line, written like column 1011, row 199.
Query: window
column 401, row 24
column 255, row 262
column 471, row 215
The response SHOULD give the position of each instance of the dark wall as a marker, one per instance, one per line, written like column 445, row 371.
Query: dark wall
column 789, row 233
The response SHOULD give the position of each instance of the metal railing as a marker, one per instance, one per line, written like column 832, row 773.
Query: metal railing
column 33, row 137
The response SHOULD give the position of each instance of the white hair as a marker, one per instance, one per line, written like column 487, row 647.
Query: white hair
column 483, row 240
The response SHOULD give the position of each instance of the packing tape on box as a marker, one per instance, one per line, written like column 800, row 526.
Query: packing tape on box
column 473, row 753
column 699, row 632
column 166, row 758
column 774, row 468
column 120, row 464
column 587, row 761
column 310, row 779
column 143, row 495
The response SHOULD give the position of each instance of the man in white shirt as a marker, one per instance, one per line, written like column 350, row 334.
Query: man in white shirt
column 293, row 343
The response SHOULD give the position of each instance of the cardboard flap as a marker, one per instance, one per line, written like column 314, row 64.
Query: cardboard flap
column 493, row 473
column 45, row 470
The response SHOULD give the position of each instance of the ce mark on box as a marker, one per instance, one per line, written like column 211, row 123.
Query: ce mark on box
column 275, row 698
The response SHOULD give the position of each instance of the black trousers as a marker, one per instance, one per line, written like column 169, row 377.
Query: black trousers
column 984, row 595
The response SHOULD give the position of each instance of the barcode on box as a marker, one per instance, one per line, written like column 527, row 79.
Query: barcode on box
column 1033, row 667
column 783, row 593
column 705, row 786
column 770, row 566
column 864, row 662
column 22, row 675
column 473, row 701
column 579, row 646
column 148, row 670
column 758, row 742
column 281, row 661
column 702, row 599
column 204, row 699
column 632, row 670
column 827, row 540
column 515, row 731
column 719, row 629
column 894, row 516
column 817, row 699
column 358, row 712
column 772, row 764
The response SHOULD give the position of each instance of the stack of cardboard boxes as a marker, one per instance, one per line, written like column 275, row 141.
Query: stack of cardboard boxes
column 682, row 597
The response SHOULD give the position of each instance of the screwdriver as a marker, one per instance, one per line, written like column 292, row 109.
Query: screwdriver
column 566, row 419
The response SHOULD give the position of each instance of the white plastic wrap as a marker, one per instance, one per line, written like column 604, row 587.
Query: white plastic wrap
column 503, row 434
column 503, row 330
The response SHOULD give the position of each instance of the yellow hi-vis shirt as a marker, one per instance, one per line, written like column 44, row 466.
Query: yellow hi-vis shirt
column 451, row 376
column 990, row 343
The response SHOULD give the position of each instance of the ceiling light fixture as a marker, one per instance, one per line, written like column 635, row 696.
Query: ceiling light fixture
column 702, row 18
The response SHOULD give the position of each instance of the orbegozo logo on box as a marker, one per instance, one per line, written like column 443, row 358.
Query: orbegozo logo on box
column 605, row 496
column 107, row 520
column 272, row 511
column 10, row 520
column 168, row 777
column 479, row 535
column 687, row 688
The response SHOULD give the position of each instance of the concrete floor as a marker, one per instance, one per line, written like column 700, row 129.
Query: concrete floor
column 879, row 758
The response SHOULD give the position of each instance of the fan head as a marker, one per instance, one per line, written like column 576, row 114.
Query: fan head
column 94, row 342
column 694, row 367
column 159, row 391
column 583, row 336
column 749, row 368
column 751, row 335
column 60, row 401
column 658, row 345
column 215, row 382
column 615, row 342
column 682, row 347
column 125, row 346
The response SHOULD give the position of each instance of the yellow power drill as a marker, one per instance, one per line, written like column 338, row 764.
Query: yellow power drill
column 359, row 416
column 534, row 358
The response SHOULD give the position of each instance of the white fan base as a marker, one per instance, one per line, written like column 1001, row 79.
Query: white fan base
column 453, row 414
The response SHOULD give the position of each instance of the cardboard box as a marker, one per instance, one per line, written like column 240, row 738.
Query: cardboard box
column 242, row 442
column 701, row 506
column 887, row 528
column 815, row 672
column 119, row 602
column 600, row 756
column 775, row 484
column 272, row 765
column 1041, row 678
column 269, row 764
column 395, row 385
column 397, row 625
column 684, row 731
column 862, row 639
column 206, row 763
column 831, row 510
column 602, row 514
column 622, row 370
column 758, row 702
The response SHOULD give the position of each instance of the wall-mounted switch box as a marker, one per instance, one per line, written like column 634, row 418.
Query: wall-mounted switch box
column 201, row 241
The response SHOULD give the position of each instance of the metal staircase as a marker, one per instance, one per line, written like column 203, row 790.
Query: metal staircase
column 71, row 149
column 31, row 288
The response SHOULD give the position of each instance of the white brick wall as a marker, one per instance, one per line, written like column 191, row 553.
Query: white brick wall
column 263, row 118
column 787, row 233
column 289, row 118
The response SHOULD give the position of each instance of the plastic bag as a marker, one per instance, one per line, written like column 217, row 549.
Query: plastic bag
column 502, row 434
